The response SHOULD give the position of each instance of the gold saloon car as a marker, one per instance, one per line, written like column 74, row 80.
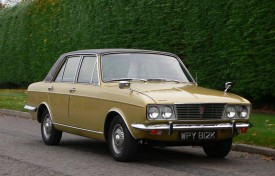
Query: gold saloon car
column 129, row 98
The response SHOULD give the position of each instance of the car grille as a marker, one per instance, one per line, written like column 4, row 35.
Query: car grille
column 199, row 111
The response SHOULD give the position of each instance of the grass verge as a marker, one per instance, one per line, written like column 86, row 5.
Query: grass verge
column 261, row 134
column 14, row 99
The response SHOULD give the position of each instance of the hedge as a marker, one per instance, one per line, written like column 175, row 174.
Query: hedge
column 218, row 40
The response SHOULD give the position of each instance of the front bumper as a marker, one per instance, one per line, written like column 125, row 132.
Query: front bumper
column 30, row 108
column 234, row 127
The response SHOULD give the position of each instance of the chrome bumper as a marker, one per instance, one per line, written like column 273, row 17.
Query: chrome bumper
column 192, row 127
column 30, row 108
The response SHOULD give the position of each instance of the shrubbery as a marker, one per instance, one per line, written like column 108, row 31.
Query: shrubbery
column 218, row 40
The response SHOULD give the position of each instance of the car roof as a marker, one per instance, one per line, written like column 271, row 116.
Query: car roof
column 53, row 70
column 115, row 50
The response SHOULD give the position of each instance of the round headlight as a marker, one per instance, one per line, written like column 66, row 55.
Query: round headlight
column 166, row 112
column 230, row 112
column 243, row 112
column 153, row 112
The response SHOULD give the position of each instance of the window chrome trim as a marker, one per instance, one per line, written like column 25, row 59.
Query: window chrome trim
column 99, row 69
column 83, row 129
column 93, row 72
column 76, row 76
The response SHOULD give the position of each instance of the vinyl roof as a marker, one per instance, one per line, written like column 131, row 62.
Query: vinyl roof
column 105, row 51
column 51, row 73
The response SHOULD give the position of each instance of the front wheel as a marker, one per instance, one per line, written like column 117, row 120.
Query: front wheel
column 50, row 135
column 122, row 145
column 218, row 149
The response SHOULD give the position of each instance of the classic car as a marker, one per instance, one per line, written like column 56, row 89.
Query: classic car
column 129, row 98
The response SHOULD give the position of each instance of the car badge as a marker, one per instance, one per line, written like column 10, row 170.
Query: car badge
column 201, row 110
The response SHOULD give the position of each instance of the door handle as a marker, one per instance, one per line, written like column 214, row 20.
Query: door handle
column 50, row 88
column 72, row 90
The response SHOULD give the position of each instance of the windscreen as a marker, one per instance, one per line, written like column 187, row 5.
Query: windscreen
column 142, row 66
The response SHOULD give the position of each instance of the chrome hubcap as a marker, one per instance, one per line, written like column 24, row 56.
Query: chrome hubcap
column 47, row 126
column 118, row 138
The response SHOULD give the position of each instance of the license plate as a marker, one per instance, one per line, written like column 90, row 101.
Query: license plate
column 198, row 135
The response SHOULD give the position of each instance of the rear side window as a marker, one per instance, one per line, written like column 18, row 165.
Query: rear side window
column 68, row 71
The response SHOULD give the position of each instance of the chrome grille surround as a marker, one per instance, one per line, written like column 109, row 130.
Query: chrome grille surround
column 202, row 111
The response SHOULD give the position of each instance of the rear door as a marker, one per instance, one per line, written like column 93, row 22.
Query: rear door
column 60, row 88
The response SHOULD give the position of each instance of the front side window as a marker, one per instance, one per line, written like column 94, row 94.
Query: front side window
column 143, row 66
column 68, row 70
column 86, row 70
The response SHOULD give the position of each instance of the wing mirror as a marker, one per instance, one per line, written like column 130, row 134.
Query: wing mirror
column 227, row 86
column 124, row 84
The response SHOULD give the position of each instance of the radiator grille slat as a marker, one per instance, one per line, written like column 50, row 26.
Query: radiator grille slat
column 200, row 111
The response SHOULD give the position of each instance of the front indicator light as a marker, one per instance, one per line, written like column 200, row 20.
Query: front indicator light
column 155, row 132
column 244, row 129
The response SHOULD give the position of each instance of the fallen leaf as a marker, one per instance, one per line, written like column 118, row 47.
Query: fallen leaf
column 268, row 158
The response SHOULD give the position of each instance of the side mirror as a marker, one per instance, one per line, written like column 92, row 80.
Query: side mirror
column 227, row 86
column 124, row 84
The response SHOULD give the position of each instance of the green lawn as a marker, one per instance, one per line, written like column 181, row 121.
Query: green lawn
column 14, row 99
column 261, row 134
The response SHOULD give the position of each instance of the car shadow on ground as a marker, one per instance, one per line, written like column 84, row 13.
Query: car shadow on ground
column 86, row 145
column 145, row 153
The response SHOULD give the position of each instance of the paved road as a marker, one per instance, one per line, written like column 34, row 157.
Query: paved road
column 22, row 152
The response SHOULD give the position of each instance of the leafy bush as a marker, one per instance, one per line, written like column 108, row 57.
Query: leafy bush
column 218, row 40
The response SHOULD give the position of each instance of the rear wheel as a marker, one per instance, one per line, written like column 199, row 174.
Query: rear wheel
column 218, row 149
column 122, row 145
column 50, row 135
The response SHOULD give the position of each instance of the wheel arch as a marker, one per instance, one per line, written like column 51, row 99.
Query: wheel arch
column 110, row 116
column 41, row 109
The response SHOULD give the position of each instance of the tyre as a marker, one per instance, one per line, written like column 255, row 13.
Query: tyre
column 50, row 135
column 218, row 149
column 122, row 145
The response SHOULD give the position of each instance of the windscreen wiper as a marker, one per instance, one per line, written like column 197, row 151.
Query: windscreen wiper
column 163, row 80
column 126, row 79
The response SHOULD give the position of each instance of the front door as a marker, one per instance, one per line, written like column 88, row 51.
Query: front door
column 83, row 103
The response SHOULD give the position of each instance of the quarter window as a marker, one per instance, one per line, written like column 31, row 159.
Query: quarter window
column 60, row 74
